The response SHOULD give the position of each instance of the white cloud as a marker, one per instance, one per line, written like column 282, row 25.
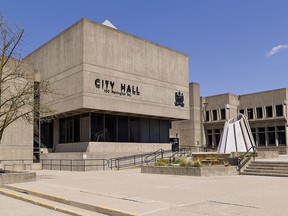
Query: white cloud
column 276, row 49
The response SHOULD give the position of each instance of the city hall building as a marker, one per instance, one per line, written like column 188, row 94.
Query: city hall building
column 115, row 93
column 266, row 111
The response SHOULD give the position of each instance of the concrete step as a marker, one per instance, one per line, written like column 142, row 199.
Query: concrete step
column 268, row 163
column 267, row 168
column 58, row 203
column 52, row 205
column 265, row 174
column 266, row 171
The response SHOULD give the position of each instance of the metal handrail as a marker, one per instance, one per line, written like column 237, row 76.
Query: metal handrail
column 179, row 153
column 243, row 159
column 132, row 160
column 154, row 155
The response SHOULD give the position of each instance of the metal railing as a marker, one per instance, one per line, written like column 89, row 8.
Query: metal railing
column 126, row 161
column 179, row 153
column 245, row 158
column 134, row 160
column 154, row 156
column 74, row 165
column 118, row 162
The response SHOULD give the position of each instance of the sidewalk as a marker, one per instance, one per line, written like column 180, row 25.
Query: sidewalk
column 151, row 195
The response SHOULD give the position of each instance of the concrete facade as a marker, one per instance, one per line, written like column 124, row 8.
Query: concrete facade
column 266, row 112
column 17, row 140
column 98, row 70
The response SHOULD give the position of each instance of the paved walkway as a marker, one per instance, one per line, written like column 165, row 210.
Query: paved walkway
column 151, row 195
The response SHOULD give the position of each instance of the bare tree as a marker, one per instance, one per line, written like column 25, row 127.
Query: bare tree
column 20, row 86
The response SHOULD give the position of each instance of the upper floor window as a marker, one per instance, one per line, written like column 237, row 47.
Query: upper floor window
column 259, row 112
column 250, row 113
column 241, row 111
column 207, row 117
column 214, row 115
column 223, row 114
column 279, row 110
column 269, row 111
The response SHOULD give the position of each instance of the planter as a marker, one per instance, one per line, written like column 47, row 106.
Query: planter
column 11, row 177
column 191, row 171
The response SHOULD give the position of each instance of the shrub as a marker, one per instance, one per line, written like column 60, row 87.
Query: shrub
column 197, row 163
column 162, row 162
column 183, row 162
column 190, row 163
column 178, row 161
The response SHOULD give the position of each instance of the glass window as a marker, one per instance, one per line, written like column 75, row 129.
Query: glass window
column 123, row 126
column 164, row 131
column 281, row 135
column 214, row 115
column 207, row 116
column 279, row 110
column 223, row 114
column 271, row 135
column 261, row 136
column 62, row 123
column 250, row 113
column 217, row 136
column 259, row 112
column 110, row 130
column 154, row 130
column 241, row 111
column 70, row 129
column 47, row 134
column 97, row 127
column 134, row 130
column 145, row 130
column 77, row 128
column 269, row 112
column 210, row 139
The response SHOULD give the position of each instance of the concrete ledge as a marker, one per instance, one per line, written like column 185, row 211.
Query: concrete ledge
column 16, row 177
column 95, row 208
column 267, row 154
column 191, row 171
column 40, row 203
column 11, row 166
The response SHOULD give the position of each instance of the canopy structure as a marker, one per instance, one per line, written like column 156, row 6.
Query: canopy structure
column 236, row 136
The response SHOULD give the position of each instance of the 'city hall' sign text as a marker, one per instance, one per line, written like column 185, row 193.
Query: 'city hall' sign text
column 109, row 87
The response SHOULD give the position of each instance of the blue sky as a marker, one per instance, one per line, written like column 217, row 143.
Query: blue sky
column 235, row 46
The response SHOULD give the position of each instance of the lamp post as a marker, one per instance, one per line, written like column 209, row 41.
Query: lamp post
column 205, row 123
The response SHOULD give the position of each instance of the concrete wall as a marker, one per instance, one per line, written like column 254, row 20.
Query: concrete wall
column 156, row 71
column 87, row 51
column 190, row 131
column 60, row 61
column 17, row 140
column 12, row 178
column 111, row 149
column 191, row 171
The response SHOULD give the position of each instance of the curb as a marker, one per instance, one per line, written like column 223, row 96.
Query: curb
column 99, row 209
column 40, row 203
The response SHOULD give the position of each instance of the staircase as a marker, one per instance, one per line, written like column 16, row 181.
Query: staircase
column 267, row 168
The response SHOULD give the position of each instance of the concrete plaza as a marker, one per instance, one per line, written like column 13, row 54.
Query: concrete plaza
column 151, row 195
